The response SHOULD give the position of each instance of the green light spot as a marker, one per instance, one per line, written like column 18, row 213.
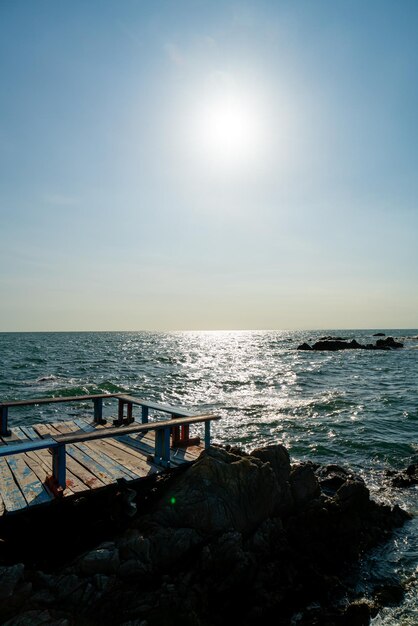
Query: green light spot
column 172, row 500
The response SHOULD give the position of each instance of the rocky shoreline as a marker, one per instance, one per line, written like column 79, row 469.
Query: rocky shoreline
column 235, row 537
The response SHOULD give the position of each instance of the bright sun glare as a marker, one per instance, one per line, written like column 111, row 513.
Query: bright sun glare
column 227, row 129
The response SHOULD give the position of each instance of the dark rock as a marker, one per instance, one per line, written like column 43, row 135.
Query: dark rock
column 353, row 494
column 337, row 343
column 37, row 618
column 388, row 343
column 304, row 484
column 406, row 478
column 103, row 560
column 219, row 492
column 10, row 576
column 169, row 545
column 331, row 478
column 331, row 345
column 388, row 595
column 228, row 563
column 412, row 470
column 278, row 458
column 358, row 613
column 399, row 516
column 379, row 335
column 270, row 533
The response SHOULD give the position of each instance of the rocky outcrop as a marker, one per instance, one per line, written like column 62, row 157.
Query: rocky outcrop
column 243, row 534
column 404, row 478
column 333, row 344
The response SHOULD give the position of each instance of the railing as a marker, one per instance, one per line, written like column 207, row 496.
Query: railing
column 97, row 399
column 176, row 428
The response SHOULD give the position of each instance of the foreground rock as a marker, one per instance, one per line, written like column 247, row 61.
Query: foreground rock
column 337, row 343
column 248, row 535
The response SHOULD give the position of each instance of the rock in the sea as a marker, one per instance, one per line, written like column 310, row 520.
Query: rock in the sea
column 333, row 344
column 406, row 478
column 388, row 344
column 388, row 595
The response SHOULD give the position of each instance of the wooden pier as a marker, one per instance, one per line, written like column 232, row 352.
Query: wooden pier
column 69, row 458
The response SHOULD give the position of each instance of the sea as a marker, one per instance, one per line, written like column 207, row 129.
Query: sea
column 356, row 408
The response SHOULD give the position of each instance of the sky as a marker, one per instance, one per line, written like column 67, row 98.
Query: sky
column 208, row 164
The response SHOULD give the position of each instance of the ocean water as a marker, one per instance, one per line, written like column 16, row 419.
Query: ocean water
column 355, row 408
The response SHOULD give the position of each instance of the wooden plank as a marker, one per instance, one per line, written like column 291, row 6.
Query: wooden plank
column 89, row 464
column 74, row 450
column 32, row 488
column 129, row 462
column 25, row 474
column 134, row 459
column 10, row 492
column 43, row 430
column 115, row 452
column 12, row 438
column 41, row 462
column 97, row 452
column 89, row 480
column 178, row 456
column 30, row 432
column 32, row 459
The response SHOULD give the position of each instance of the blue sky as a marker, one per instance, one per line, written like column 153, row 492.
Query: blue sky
column 208, row 165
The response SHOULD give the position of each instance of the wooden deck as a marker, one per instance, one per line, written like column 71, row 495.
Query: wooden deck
column 89, row 464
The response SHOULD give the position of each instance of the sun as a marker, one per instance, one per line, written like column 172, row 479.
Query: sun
column 227, row 128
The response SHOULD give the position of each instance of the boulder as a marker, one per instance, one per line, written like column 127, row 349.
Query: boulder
column 331, row 478
column 388, row 595
column 221, row 491
column 352, row 495
column 304, row 484
column 10, row 577
column 405, row 478
column 331, row 345
column 388, row 344
column 278, row 458
column 103, row 560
